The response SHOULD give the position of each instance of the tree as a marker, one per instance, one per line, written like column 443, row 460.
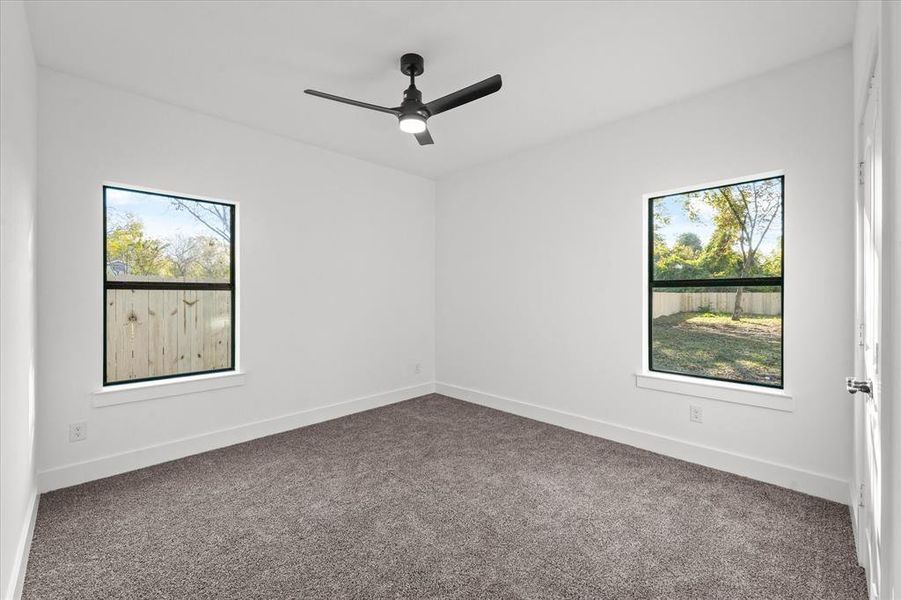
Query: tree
column 683, row 260
column 199, row 257
column 126, row 243
column 772, row 264
column 661, row 250
column 690, row 241
column 183, row 252
column 744, row 214
column 213, row 260
column 719, row 257
column 215, row 217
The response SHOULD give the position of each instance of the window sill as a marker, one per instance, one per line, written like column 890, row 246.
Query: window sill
column 149, row 390
column 736, row 393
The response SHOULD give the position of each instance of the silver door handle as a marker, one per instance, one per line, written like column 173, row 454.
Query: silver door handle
column 854, row 385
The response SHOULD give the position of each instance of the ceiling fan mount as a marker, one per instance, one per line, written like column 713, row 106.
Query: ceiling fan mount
column 413, row 114
column 412, row 65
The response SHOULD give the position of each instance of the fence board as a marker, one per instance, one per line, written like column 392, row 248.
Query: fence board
column 187, row 341
column 156, row 323
column 201, row 332
column 115, row 341
column 221, row 337
column 137, row 339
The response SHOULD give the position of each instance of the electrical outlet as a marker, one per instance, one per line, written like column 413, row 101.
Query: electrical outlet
column 412, row 369
column 78, row 432
column 695, row 414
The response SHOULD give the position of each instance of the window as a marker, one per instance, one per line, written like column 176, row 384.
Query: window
column 715, row 282
column 169, row 286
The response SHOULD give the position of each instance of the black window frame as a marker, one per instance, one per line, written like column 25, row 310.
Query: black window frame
column 716, row 282
column 170, row 285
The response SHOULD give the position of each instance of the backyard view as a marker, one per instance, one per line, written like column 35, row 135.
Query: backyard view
column 169, row 286
column 716, row 301
column 713, row 345
column 153, row 238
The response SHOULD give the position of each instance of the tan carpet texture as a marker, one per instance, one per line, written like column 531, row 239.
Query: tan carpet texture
column 438, row 498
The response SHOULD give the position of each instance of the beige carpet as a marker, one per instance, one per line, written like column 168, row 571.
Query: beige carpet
column 437, row 498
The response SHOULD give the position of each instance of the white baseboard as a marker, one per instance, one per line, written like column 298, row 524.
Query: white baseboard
column 107, row 466
column 23, row 547
column 809, row 482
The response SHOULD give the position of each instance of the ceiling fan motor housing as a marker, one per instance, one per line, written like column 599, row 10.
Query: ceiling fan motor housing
column 413, row 103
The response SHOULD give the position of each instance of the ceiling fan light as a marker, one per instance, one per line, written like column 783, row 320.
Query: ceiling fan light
column 412, row 124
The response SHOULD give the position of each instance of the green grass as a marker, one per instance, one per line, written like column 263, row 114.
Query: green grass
column 713, row 345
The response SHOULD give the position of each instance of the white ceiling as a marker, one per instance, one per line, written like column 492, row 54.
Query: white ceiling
column 566, row 66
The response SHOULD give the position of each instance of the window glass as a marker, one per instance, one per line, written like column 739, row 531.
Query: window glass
column 693, row 333
column 715, row 285
column 733, row 231
column 169, row 286
column 163, row 238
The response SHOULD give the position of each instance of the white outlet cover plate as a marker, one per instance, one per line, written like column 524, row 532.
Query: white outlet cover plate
column 78, row 431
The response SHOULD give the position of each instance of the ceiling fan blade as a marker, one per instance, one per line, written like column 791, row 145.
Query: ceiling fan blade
column 424, row 138
column 390, row 111
column 467, row 94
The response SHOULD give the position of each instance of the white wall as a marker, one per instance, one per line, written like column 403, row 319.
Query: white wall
column 18, row 131
column 540, row 273
column 350, row 244
column 878, row 28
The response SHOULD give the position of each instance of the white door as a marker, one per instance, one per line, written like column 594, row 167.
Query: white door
column 866, row 382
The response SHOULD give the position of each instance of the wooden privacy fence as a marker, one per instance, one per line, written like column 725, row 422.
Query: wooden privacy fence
column 152, row 333
column 752, row 303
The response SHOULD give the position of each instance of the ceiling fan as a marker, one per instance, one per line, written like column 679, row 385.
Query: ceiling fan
column 412, row 113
